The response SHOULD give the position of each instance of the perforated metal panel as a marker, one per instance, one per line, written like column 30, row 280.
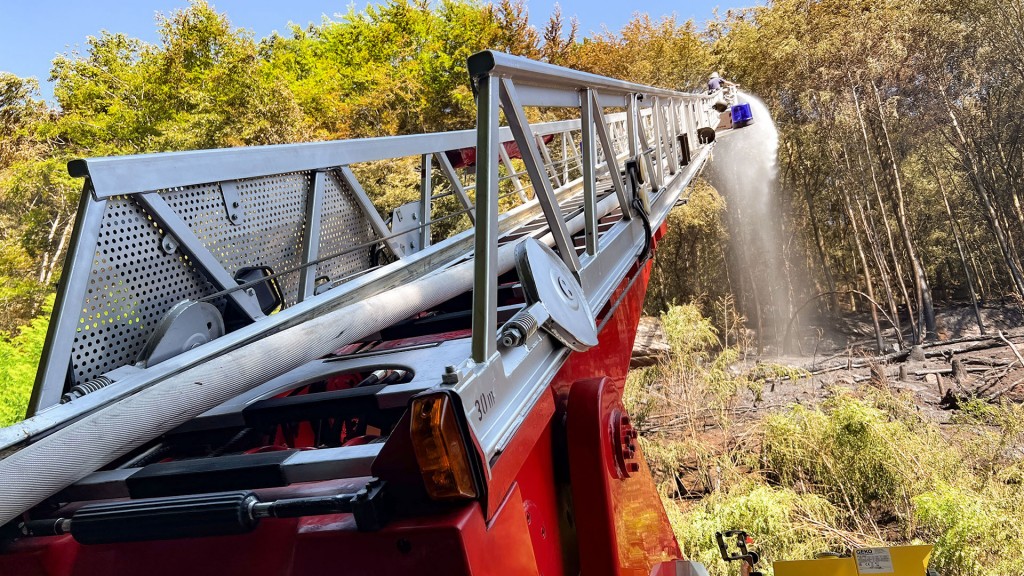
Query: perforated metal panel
column 132, row 284
column 268, row 233
column 134, row 281
column 342, row 225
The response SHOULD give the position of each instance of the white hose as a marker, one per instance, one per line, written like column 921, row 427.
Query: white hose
column 43, row 468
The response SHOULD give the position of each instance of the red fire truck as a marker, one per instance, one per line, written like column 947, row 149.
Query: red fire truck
column 252, row 368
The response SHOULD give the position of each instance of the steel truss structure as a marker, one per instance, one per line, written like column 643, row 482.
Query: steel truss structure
column 570, row 206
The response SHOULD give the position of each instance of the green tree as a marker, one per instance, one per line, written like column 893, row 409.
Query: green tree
column 18, row 359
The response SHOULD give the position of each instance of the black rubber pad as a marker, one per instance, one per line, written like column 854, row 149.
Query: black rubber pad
column 236, row 472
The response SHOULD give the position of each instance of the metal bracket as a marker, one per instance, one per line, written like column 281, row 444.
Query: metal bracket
column 232, row 202
column 405, row 220
column 311, row 234
column 557, row 302
column 186, row 325
column 168, row 243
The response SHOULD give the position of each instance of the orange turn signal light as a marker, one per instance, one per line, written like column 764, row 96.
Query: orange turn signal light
column 440, row 448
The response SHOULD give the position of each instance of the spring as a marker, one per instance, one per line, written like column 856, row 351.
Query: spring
column 79, row 390
column 518, row 329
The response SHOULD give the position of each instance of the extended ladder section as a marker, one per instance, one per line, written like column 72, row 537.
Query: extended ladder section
column 203, row 286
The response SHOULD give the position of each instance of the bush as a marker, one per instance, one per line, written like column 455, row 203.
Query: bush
column 852, row 453
column 784, row 524
column 19, row 358
column 975, row 532
column 862, row 469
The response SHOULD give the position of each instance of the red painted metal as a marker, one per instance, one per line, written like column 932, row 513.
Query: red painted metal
column 558, row 504
column 456, row 543
column 620, row 521
column 547, row 512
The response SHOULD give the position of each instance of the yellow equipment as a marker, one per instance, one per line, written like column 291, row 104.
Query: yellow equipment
column 892, row 561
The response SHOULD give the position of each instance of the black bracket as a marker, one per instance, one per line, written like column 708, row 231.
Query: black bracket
column 751, row 558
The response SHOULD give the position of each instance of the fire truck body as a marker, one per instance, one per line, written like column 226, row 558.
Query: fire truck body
column 251, row 387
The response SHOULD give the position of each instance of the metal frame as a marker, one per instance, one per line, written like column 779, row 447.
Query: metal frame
column 510, row 378
column 502, row 82
column 311, row 234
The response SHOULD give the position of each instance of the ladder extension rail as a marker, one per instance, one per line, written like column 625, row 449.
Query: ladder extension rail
column 159, row 197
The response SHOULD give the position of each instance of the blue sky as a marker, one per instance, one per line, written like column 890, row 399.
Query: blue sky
column 32, row 32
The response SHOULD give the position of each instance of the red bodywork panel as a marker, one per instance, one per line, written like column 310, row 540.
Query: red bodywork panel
column 556, row 504
column 453, row 544
column 466, row 157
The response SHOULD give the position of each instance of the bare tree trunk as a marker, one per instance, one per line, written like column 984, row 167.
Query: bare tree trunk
column 960, row 250
column 58, row 254
column 885, row 220
column 970, row 165
column 926, row 311
column 866, row 271
column 44, row 264
column 983, row 289
column 871, row 232
column 819, row 244
column 882, row 270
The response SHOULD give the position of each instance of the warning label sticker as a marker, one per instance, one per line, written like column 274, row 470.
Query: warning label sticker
column 874, row 561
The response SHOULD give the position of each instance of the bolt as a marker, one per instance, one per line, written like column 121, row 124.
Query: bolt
column 235, row 204
column 566, row 287
column 234, row 216
column 450, row 369
column 511, row 337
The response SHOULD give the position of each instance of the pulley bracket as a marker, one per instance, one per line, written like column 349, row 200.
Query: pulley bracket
column 555, row 300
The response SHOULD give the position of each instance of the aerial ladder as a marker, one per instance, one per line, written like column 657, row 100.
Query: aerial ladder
column 252, row 368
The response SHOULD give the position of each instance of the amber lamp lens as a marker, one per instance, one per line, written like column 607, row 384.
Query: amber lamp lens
column 440, row 449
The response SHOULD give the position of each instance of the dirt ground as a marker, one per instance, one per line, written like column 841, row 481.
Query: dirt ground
column 963, row 363
column 938, row 375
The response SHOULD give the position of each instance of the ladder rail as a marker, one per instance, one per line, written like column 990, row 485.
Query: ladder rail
column 634, row 130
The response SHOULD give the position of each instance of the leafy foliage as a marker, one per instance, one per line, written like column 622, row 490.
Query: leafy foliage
column 783, row 522
column 18, row 359
column 862, row 469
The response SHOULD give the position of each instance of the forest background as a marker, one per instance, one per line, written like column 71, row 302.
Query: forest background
column 901, row 160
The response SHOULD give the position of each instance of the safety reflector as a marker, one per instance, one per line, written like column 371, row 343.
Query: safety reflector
column 441, row 449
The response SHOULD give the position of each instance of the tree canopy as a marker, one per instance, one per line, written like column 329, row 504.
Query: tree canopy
column 900, row 158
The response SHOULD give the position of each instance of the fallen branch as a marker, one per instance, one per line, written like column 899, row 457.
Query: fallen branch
column 1012, row 347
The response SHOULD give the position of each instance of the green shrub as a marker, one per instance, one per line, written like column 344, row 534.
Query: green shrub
column 19, row 358
column 690, row 335
column 862, row 469
column 638, row 397
column 785, row 525
column 976, row 533
column 852, row 453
